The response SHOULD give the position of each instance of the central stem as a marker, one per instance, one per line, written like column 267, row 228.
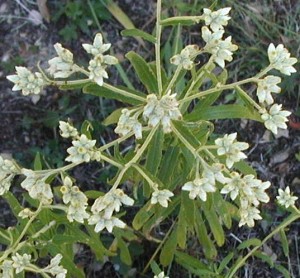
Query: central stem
column 157, row 47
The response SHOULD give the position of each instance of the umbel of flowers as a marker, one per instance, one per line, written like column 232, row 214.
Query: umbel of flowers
column 213, row 162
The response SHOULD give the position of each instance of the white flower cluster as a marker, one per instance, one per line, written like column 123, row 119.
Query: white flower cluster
column 76, row 199
column 98, row 65
column 54, row 268
column 275, row 118
column 19, row 263
column 7, row 172
column 199, row 187
column 217, row 19
column 229, row 147
column 267, row 86
column 36, row 187
column 162, row 197
column 162, row 111
column 251, row 192
column 279, row 59
column 26, row 81
column 104, row 207
column 83, row 150
column 161, row 275
column 67, row 130
column 222, row 50
column 285, row 198
column 63, row 65
column 186, row 56
column 128, row 123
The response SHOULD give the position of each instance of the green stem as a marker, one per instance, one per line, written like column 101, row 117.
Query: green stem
column 4, row 236
column 24, row 231
column 135, row 158
column 110, row 161
column 157, row 47
column 144, row 175
column 241, row 91
column 123, row 92
column 293, row 217
column 174, row 78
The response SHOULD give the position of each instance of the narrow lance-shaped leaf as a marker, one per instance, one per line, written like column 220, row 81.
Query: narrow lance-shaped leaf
column 228, row 111
column 143, row 71
column 96, row 90
column 138, row 33
column 168, row 250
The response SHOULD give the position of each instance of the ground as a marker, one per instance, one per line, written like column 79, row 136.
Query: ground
column 30, row 124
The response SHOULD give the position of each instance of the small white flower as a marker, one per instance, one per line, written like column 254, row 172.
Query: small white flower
column 77, row 201
column 285, row 198
column 25, row 213
column 27, row 82
column 222, row 50
column 161, row 275
column 108, row 223
column 98, row 47
column 162, row 197
column 185, row 58
column 248, row 216
column 162, row 111
column 275, row 118
column 97, row 70
column 231, row 148
column 37, row 188
column 233, row 186
column 20, row 262
column 127, row 124
column 82, row 150
column 110, row 202
column 217, row 19
column 280, row 59
column 199, row 187
column 66, row 130
column 267, row 86
column 54, row 268
column 7, row 269
column 63, row 65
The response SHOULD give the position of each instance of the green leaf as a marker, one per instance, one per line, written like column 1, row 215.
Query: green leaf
column 154, row 155
column 181, row 228
column 284, row 242
column 249, row 242
column 124, row 252
column 189, row 208
column 229, row 111
column 86, row 128
column 143, row 71
column 215, row 225
column 264, row 257
column 186, row 134
column 203, row 237
column 283, row 270
column 138, row 33
column 243, row 167
column 37, row 165
column 96, row 90
column 75, row 86
column 169, row 248
column 113, row 117
column 168, row 166
column 193, row 264
column 143, row 215
column 177, row 21
column 225, row 262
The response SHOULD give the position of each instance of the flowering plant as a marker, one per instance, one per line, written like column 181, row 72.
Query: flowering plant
column 173, row 133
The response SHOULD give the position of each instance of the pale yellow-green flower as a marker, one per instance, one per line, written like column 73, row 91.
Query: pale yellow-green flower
column 285, row 197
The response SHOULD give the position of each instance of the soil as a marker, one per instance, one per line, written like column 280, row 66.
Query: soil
column 29, row 124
